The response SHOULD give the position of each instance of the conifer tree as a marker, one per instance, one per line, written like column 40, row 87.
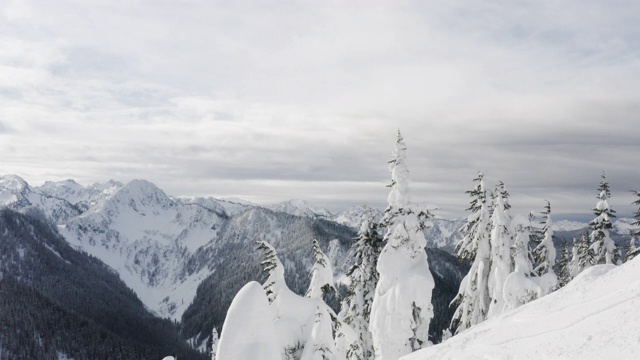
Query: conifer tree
column 582, row 255
column 214, row 343
column 501, row 243
column 632, row 252
column 473, row 299
column 401, row 308
column 321, row 275
column 545, row 252
column 362, row 278
column 562, row 266
column 320, row 345
column 519, row 288
column 602, row 245
column 274, row 270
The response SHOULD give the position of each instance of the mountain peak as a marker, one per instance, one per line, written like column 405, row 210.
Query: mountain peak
column 13, row 182
column 300, row 208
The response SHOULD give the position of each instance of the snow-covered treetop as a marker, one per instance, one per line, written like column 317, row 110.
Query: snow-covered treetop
column 477, row 227
column 274, row 270
column 637, row 213
column 399, row 195
column 603, row 210
column 321, row 274
column 545, row 252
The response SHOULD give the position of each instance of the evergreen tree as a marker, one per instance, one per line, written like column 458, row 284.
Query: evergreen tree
column 545, row 252
column 401, row 308
column 521, row 286
column 582, row 255
column 501, row 243
column 320, row 345
column 214, row 343
column 362, row 278
column 473, row 298
column 562, row 266
column 602, row 245
column 632, row 251
column 274, row 270
column 321, row 275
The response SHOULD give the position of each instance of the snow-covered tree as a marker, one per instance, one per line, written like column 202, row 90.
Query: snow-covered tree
column 545, row 252
column 292, row 315
column 401, row 308
column 562, row 266
column 601, row 243
column 321, row 275
column 214, row 343
column 320, row 345
column 501, row 242
column 473, row 297
column 362, row 278
column 274, row 269
column 249, row 332
column 582, row 255
column 519, row 288
column 633, row 251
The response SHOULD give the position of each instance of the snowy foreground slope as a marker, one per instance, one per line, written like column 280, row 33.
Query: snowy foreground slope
column 594, row 317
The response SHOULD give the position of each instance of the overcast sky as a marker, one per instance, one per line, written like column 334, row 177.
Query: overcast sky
column 272, row 100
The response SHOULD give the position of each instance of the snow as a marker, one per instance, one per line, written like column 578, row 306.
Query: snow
column 249, row 332
column 593, row 317
column 63, row 356
column 401, row 308
column 300, row 208
column 321, row 274
column 147, row 238
column 567, row 225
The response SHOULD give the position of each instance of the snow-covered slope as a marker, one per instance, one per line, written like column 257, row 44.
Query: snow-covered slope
column 83, row 197
column 300, row 208
column 149, row 240
column 568, row 225
column 229, row 207
column 594, row 317
column 16, row 194
column 352, row 217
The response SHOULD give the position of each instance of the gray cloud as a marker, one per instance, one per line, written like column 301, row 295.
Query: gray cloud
column 271, row 102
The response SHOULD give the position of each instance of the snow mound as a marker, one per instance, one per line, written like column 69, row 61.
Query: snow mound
column 249, row 332
column 593, row 317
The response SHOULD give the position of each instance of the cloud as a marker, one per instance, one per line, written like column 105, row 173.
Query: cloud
column 303, row 99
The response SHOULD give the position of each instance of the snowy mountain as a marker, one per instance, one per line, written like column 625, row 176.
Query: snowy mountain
column 300, row 208
column 444, row 233
column 440, row 233
column 352, row 217
column 80, row 196
column 149, row 239
column 186, row 258
column 568, row 225
column 56, row 300
column 16, row 194
column 218, row 205
column 593, row 317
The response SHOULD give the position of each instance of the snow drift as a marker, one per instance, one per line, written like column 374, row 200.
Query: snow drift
column 594, row 317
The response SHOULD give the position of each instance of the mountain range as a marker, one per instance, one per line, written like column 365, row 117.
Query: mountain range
column 185, row 258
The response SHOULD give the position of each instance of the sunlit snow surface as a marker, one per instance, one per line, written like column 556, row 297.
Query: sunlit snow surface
column 596, row 316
